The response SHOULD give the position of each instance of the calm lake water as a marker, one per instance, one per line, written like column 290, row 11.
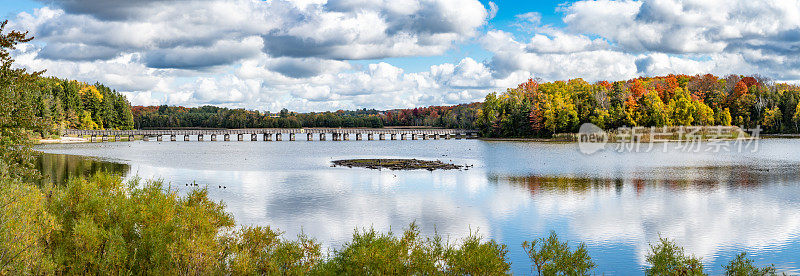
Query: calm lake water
column 713, row 204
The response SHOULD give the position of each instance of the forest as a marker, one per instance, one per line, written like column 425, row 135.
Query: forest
column 69, row 104
column 153, row 117
column 540, row 109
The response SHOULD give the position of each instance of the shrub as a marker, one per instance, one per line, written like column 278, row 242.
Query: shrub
column 742, row 266
column 549, row 256
column 372, row 253
column 667, row 258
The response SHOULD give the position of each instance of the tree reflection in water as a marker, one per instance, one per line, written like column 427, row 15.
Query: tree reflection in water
column 683, row 178
column 58, row 168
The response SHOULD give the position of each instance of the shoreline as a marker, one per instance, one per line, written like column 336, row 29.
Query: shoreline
column 562, row 141
column 62, row 140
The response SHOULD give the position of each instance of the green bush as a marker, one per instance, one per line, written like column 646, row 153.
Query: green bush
column 372, row 253
column 667, row 258
column 549, row 256
column 742, row 266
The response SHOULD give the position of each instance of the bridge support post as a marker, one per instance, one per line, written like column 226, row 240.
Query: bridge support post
column 394, row 136
column 370, row 137
column 447, row 136
column 253, row 137
column 402, row 136
column 358, row 136
column 213, row 137
column 172, row 137
column 310, row 137
column 291, row 136
column 382, row 136
column 458, row 136
column 322, row 136
column 160, row 138
column 435, row 136
column 239, row 137
column 227, row 137
column 424, row 136
column 199, row 137
column 413, row 136
column 186, row 138
column 345, row 136
column 278, row 137
column 131, row 138
column 267, row 136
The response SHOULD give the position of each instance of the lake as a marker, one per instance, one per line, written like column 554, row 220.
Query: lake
column 714, row 204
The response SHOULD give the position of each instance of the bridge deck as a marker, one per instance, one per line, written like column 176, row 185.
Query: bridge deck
column 79, row 132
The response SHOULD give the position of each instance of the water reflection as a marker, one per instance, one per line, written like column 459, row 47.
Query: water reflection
column 714, row 204
column 695, row 178
column 58, row 168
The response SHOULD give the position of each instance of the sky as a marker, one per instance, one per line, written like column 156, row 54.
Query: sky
column 326, row 55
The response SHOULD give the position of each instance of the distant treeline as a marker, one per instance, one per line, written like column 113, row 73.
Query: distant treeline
column 77, row 105
column 535, row 109
column 459, row 116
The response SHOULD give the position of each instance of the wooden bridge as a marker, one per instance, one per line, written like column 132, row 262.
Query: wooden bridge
column 253, row 134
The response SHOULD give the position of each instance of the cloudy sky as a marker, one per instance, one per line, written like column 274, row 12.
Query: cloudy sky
column 317, row 55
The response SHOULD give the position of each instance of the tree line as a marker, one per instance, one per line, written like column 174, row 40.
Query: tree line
column 541, row 109
column 76, row 105
column 153, row 117
column 536, row 109
column 164, row 116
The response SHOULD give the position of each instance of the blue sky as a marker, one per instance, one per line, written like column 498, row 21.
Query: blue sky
column 12, row 7
column 316, row 55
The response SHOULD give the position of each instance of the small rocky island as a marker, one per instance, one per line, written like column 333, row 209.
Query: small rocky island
column 397, row 164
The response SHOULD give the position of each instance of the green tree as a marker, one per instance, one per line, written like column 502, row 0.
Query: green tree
column 25, row 229
column 681, row 109
column 549, row 256
column 87, row 122
column 560, row 115
column 667, row 258
column 703, row 115
column 742, row 266
column 723, row 117
column 796, row 117
column 372, row 253
column 772, row 119
column 17, row 115
column 24, row 224
column 651, row 111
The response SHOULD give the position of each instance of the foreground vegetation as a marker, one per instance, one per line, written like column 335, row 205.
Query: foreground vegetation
column 104, row 225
